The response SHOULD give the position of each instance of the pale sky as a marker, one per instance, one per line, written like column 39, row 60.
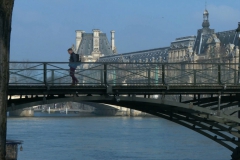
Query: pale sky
column 43, row 30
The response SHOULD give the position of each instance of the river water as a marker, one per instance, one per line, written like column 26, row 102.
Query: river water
column 110, row 138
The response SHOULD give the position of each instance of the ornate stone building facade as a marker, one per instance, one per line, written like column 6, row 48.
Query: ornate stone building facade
column 181, row 49
column 206, row 46
column 211, row 46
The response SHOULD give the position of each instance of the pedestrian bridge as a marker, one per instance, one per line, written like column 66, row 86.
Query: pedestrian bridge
column 203, row 97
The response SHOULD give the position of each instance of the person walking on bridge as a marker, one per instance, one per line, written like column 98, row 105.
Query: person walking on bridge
column 73, row 65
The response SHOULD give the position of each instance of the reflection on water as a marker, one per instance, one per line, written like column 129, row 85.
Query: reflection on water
column 96, row 138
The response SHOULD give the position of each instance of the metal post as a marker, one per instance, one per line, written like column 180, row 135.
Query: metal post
column 163, row 74
column 238, row 73
column 149, row 76
column 105, row 74
column 219, row 102
column 198, row 99
column 156, row 74
column 238, row 79
column 239, row 118
column 235, row 76
column 114, row 77
column 180, row 98
column 238, row 32
column 101, row 77
column 52, row 77
column 219, row 74
column 45, row 73
column 194, row 77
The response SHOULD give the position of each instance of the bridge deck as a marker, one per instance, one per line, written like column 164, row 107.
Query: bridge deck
column 166, row 89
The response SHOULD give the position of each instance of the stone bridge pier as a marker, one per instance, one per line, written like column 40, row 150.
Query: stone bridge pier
column 25, row 112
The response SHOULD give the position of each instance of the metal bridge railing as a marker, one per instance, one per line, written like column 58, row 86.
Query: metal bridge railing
column 57, row 73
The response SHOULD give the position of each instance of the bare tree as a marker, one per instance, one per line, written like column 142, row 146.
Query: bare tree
column 6, row 7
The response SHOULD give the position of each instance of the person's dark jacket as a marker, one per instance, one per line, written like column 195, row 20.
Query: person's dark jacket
column 73, row 60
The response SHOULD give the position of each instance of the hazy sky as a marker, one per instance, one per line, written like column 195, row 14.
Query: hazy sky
column 43, row 30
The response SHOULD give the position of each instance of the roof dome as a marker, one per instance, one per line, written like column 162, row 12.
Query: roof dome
column 205, row 24
column 205, row 12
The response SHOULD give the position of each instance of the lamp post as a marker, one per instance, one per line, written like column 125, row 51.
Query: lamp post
column 238, row 36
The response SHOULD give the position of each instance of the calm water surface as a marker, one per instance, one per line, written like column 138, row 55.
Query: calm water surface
column 110, row 138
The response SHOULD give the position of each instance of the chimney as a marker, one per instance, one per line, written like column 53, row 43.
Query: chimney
column 112, row 40
column 78, row 38
column 96, row 39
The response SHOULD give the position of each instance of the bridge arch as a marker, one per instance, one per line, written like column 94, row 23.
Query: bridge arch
column 201, row 120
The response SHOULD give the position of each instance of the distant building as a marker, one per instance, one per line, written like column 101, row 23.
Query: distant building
column 181, row 49
column 92, row 46
column 206, row 46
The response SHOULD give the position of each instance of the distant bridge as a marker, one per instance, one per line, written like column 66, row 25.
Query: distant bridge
column 203, row 97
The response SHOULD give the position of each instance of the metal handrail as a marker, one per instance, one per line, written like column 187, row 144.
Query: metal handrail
column 117, row 72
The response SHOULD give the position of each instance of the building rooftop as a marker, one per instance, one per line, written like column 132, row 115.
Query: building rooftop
column 86, row 45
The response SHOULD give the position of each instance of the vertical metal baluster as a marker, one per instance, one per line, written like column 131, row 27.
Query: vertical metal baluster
column 45, row 73
column 219, row 103
column 219, row 74
column 194, row 77
column 101, row 76
column 156, row 74
column 163, row 74
column 52, row 77
column 235, row 76
column 149, row 74
column 105, row 74
column 114, row 77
